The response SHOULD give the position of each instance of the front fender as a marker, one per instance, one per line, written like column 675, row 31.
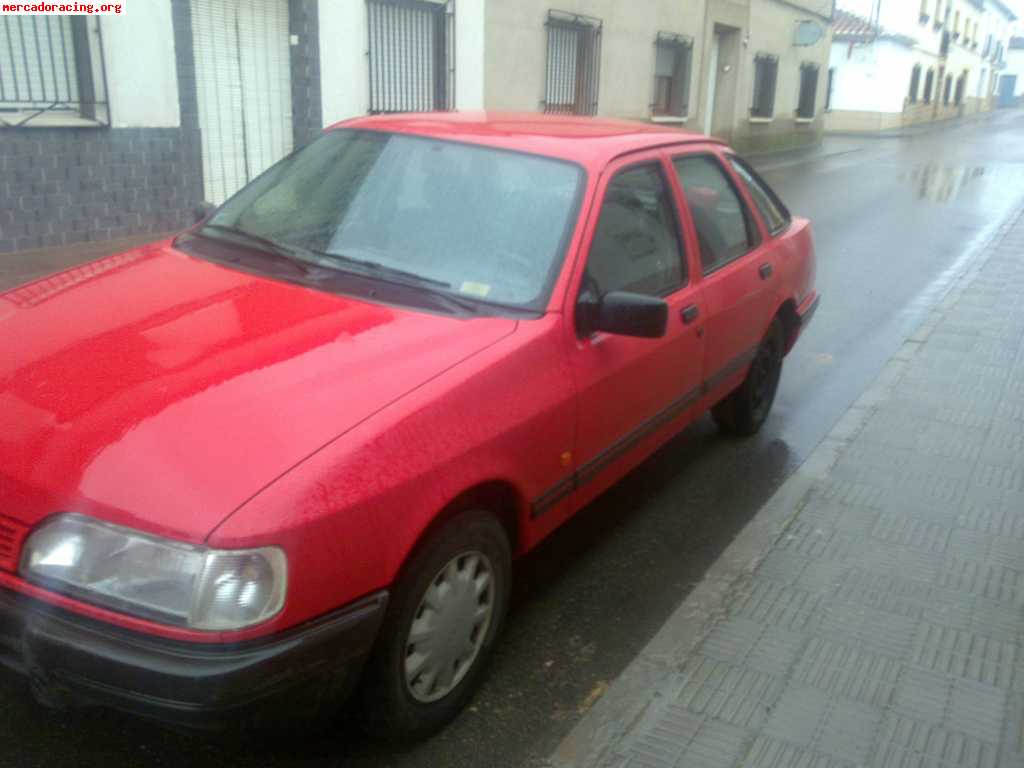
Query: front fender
column 349, row 516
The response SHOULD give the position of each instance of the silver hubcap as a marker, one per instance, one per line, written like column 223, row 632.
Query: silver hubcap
column 449, row 627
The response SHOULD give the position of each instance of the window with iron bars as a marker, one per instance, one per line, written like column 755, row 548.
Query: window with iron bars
column 807, row 101
column 766, row 72
column 52, row 71
column 411, row 51
column 573, row 74
column 673, row 57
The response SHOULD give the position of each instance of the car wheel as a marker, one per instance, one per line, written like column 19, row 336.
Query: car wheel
column 746, row 409
column 446, row 611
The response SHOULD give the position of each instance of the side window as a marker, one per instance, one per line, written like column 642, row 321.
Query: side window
column 774, row 213
column 725, row 230
column 636, row 246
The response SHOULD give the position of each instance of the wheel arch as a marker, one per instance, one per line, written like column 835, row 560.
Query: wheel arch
column 787, row 315
column 498, row 497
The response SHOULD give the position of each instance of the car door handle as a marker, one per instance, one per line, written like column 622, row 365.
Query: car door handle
column 765, row 271
column 689, row 314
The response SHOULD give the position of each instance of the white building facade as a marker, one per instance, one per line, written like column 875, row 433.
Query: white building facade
column 908, row 62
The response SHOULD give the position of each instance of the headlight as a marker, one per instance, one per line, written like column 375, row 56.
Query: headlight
column 156, row 578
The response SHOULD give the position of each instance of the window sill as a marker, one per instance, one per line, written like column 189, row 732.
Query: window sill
column 804, row 120
column 14, row 120
column 669, row 119
column 762, row 120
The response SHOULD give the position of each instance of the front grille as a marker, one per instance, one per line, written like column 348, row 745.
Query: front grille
column 12, row 534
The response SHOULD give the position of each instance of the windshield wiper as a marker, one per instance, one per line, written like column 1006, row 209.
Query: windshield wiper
column 382, row 269
column 397, row 276
column 265, row 244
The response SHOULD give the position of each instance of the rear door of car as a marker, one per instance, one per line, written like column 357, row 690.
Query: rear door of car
column 737, row 265
column 630, row 390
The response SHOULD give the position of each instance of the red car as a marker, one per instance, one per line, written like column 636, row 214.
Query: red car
column 295, row 450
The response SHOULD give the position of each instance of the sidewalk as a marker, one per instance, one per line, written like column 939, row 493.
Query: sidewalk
column 872, row 614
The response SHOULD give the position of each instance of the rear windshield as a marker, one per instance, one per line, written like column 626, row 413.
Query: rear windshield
column 483, row 223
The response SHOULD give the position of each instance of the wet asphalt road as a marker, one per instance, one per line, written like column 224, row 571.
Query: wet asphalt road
column 895, row 221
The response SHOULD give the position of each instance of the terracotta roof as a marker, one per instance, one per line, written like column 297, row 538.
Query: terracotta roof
column 850, row 26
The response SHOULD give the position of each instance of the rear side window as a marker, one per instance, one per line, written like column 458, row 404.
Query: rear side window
column 774, row 213
column 636, row 246
column 725, row 230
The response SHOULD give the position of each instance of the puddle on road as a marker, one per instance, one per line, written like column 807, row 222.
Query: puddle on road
column 941, row 184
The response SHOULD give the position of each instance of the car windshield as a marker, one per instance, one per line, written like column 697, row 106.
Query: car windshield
column 479, row 222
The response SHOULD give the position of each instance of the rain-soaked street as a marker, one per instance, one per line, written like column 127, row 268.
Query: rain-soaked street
column 896, row 219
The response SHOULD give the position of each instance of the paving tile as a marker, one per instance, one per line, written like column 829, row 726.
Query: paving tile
column 978, row 710
column 773, row 753
column 715, row 744
column 727, row 692
column 770, row 603
column 852, row 494
column 996, row 582
column 798, row 715
column 904, row 562
column 848, row 672
column 998, row 521
column 815, row 541
column 756, row 646
column 964, row 654
column 844, row 518
column 900, row 596
column 918, row 534
column 904, row 743
column 850, row 730
column 875, row 631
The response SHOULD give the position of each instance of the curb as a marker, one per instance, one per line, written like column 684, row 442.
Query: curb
column 637, row 689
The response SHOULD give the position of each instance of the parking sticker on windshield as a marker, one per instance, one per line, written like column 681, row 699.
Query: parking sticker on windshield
column 479, row 290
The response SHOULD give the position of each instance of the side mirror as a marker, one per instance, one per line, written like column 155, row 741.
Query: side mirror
column 624, row 314
column 203, row 211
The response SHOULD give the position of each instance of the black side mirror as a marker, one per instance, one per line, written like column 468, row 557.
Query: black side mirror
column 203, row 211
column 624, row 314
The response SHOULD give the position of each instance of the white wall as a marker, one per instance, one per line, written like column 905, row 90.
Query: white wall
column 142, row 78
column 871, row 78
column 344, row 76
column 470, row 17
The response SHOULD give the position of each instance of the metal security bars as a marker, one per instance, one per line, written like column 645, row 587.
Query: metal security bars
column 673, row 56
column 573, row 75
column 411, row 51
column 51, row 66
column 808, row 91
column 766, row 71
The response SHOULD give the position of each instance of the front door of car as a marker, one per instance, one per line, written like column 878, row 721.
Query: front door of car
column 630, row 388
column 738, row 270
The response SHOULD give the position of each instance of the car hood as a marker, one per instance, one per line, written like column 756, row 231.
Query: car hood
column 161, row 391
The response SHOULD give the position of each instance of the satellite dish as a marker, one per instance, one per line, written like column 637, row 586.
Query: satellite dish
column 808, row 33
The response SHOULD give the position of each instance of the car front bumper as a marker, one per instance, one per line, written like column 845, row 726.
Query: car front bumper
column 74, row 661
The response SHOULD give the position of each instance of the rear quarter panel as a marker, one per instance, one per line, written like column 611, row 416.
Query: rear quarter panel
column 349, row 516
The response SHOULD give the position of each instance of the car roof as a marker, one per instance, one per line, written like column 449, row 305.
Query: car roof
column 586, row 140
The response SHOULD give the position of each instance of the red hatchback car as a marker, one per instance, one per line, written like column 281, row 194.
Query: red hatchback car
column 294, row 450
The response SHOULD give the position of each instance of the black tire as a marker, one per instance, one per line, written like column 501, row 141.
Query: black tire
column 389, row 709
column 745, row 411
